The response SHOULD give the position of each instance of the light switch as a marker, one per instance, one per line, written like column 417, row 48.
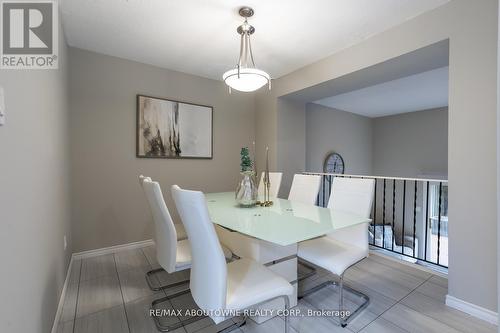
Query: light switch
column 2, row 107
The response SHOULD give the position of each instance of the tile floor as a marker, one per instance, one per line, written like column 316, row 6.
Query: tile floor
column 109, row 293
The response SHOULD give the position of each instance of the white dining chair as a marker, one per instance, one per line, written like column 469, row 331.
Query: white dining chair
column 215, row 285
column 171, row 254
column 305, row 188
column 341, row 249
column 275, row 180
column 179, row 228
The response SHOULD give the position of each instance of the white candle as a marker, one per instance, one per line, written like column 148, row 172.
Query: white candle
column 267, row 169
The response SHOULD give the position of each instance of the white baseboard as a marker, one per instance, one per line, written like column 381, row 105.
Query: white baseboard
column 112, row 249
column 61, row 299
column 408, row 263
column 472, row 309
column 89, row 254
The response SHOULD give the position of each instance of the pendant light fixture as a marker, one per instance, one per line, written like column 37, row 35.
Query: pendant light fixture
column 245, row 77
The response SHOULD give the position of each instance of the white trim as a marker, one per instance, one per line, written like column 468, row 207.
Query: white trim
column 376, row 177
column 89, row 254
column 61, row 299
column 472, row 309
column 112, row 249
column 379, row 253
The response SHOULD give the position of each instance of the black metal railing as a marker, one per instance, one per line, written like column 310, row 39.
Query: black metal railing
column 409, row 216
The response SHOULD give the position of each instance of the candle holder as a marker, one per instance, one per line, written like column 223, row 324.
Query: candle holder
column 267, row 202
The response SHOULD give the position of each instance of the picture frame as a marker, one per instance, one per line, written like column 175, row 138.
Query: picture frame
column 173, row 129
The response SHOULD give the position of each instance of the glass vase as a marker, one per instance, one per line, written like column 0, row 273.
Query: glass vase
column 246, row 193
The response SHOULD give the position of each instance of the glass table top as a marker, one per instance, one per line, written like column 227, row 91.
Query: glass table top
column 284, row 223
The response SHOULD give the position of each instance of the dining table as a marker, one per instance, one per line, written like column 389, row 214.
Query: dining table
column 270, row 235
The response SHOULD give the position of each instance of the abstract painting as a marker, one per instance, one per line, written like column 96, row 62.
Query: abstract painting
column 173, row 129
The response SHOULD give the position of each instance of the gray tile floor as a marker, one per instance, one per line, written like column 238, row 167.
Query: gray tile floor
column 109, row 293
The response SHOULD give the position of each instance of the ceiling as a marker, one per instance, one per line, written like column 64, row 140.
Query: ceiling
column 421, row 91
column 199, row 36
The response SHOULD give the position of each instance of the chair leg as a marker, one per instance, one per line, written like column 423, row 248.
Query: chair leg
column 287, row 307
column 318, row 287
column 181, row 323
column 341, row 301
column 243, row 322
column 159, row 288
column 342, row 287
column 234, row 326
column 312, row 269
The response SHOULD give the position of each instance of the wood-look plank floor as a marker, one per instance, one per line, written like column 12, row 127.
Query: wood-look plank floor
column 109, row 294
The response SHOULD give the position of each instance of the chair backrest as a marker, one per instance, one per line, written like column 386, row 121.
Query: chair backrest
column 208, row 265
column 142, row 178
column 275, row 179
column 305, row 188
column 355, row 196
column 165, row 233
column 352, row 195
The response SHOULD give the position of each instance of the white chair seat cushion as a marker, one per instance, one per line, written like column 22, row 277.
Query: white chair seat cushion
column 332, row 255
column 250, row 283
column 183, row 257
column 181, row 232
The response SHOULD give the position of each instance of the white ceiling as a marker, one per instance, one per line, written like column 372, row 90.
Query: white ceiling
column 421, row 91
column 199, row 36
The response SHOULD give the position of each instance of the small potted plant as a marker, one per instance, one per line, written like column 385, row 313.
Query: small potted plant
column 246, row 193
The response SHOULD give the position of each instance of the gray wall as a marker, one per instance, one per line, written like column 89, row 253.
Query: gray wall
column 472, row 28
column 346, row 133
column 291, row 154
column 411, row 144
column 404, row 145
column 34, row 192
column 498, row 161
column 108, row 205
column 266, row 120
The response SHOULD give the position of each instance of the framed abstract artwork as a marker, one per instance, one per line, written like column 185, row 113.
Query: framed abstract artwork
column 173, row 129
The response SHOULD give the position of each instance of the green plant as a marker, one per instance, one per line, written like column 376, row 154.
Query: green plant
column 246, row 163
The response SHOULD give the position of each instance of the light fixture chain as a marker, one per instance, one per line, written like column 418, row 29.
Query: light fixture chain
column 246, row 50
column 241, row 53
column 250, row 49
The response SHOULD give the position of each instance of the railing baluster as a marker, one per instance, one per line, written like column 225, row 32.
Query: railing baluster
column 427, row 189
column 414, row 216
column 426, row 220
column 393, row 212
column 383, row 218
column 375, row 214
column 323, row 202
column 404, row 213
column 330, row 178
column 439, row 220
